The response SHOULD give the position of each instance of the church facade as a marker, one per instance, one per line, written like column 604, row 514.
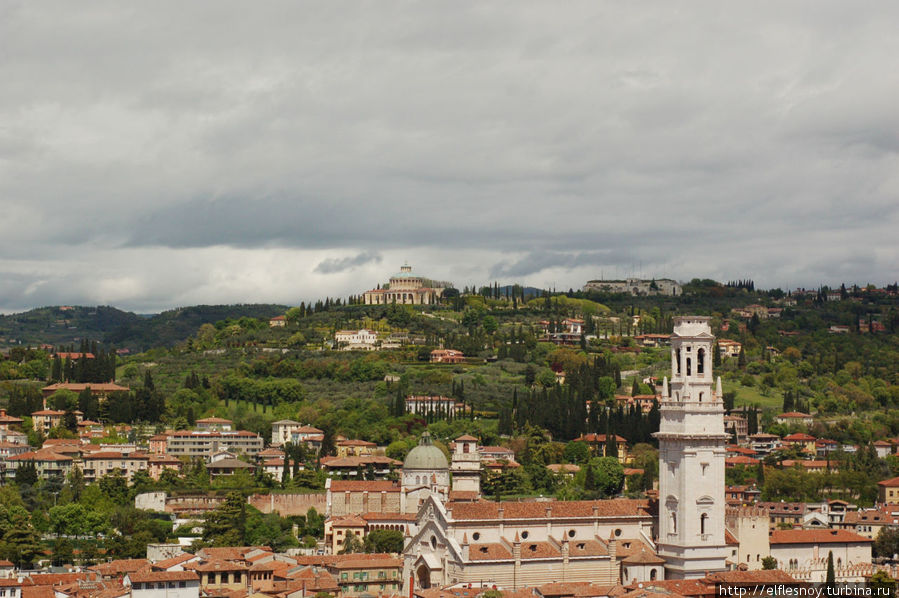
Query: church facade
column 405, row 288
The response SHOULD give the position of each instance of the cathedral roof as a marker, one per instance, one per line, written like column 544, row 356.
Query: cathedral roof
column 618, row 507
column 425, row 456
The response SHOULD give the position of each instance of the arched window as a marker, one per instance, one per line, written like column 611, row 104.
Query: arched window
column 677, row 353
column 702, row 520
column 700, row 361
column 839, row 563
column 652, row 574
column 673, row 522
column 689, row 373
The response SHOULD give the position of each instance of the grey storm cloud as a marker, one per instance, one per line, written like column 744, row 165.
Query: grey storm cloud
column 163, row 153
column 333, row 265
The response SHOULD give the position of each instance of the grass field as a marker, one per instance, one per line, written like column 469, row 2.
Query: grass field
column 750, row 395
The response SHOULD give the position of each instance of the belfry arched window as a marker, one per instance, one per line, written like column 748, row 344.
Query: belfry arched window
column 700, row 361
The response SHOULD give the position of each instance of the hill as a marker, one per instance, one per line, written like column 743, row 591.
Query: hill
column 64, row 325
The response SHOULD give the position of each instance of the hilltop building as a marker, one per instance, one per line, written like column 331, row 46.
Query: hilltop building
column 636, row 286
column 406, row 288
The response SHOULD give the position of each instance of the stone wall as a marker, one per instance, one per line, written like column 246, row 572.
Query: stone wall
column 288, row 504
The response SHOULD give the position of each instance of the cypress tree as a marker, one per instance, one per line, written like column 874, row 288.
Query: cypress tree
column 831, row 580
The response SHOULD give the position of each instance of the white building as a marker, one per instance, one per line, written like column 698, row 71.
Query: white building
column 525, row 544
column 352, row 340
column 163, row 584
column 423, row 405
column 635, row 286
column 691, row 457
column 407, row 289
column 803, row 553
column 10, row 588
column 282, row 429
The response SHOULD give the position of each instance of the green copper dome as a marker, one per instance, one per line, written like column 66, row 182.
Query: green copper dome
column 425, row 456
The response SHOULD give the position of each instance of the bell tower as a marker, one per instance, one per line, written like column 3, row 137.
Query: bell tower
column 691, row 456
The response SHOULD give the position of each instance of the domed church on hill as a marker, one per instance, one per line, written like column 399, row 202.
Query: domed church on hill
column 406, row 288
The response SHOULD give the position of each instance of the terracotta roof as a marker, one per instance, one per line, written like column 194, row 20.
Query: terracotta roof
column 683, row 587
column 794, row 414
column 229, row 552
column 308, row 430
column 355, row 442
column 494, row 551
column 466, row 438
column 644, row 557
column 556, row 509
column 577, row 548
column 741, row 460
column 39, row 455
column 799, row 437
column 120, row 566
column 145, row 576
column 815, row 536
column 890, row 483
column 347, row 521
column 38, row 592
column 52, row 579
column 214, row 420
column 216, row 565
column 79, row 386
column 175, row 560
column 575, row 589
column 374, row 561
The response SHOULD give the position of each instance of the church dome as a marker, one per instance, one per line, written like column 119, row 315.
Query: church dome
column 425, row 456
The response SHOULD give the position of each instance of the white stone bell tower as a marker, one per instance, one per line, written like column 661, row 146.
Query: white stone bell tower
column 691, row 456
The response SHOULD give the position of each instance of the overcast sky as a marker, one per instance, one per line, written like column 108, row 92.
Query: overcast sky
column 160, row 154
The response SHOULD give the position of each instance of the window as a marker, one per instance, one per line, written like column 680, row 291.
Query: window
column 182, row 584
column 617, row 532
column 702, row 521
column 571, row 533
column 476, row 536
column 652, row 574
column 524, row 535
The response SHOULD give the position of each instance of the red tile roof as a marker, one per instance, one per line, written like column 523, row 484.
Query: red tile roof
column 145, row 576
column 555, row 509
column 816, row 536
